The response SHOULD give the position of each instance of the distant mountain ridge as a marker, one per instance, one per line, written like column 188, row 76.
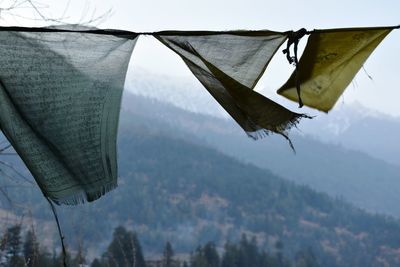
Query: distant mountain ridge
column 359, row 128
column 352, row 126
column 183, row 92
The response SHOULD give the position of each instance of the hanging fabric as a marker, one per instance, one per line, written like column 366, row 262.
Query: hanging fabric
column 229, row 66
column 60, row 91
column 329, row 63
column 60, row 94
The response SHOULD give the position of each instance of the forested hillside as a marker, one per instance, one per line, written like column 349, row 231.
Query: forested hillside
column 174, row 188
column 359, row 178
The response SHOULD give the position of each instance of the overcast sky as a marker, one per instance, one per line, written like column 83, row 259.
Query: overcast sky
column 383, row 93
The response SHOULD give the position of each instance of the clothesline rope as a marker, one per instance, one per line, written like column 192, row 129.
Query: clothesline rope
column 132, row 34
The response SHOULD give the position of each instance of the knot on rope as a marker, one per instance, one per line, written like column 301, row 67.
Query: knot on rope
column 293, row 39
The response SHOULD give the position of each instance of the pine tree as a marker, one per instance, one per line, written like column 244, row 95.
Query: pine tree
column 248, row 252
column 168, row 255
column 206, row 256
column 31, row 249
column 54, row 259
column 13, row 247
column 211, row 255
column 124, row 250
column 279, row 253
column 197, row 258
column 3, row 244
column 96, row 263
column 230, row 256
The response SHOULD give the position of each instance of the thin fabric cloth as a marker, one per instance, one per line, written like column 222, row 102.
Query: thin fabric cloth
column 60, row 95
column 229, row 66
column 329, row 63
column 60, row 91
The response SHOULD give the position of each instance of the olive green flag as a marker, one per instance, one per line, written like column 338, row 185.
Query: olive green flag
column 329, row 63
column 60, row 95
column 229, row 65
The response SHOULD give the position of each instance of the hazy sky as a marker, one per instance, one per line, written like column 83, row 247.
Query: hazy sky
column 383, row 93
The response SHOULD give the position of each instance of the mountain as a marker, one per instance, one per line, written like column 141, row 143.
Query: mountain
column 183, row 92
column 359, row 128
column 172, row 188
column 190, row 194
column 359, row 178
column 350, row 125
column 175, row 185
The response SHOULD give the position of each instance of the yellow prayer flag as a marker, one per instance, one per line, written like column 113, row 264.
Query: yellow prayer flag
column 329, row 63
